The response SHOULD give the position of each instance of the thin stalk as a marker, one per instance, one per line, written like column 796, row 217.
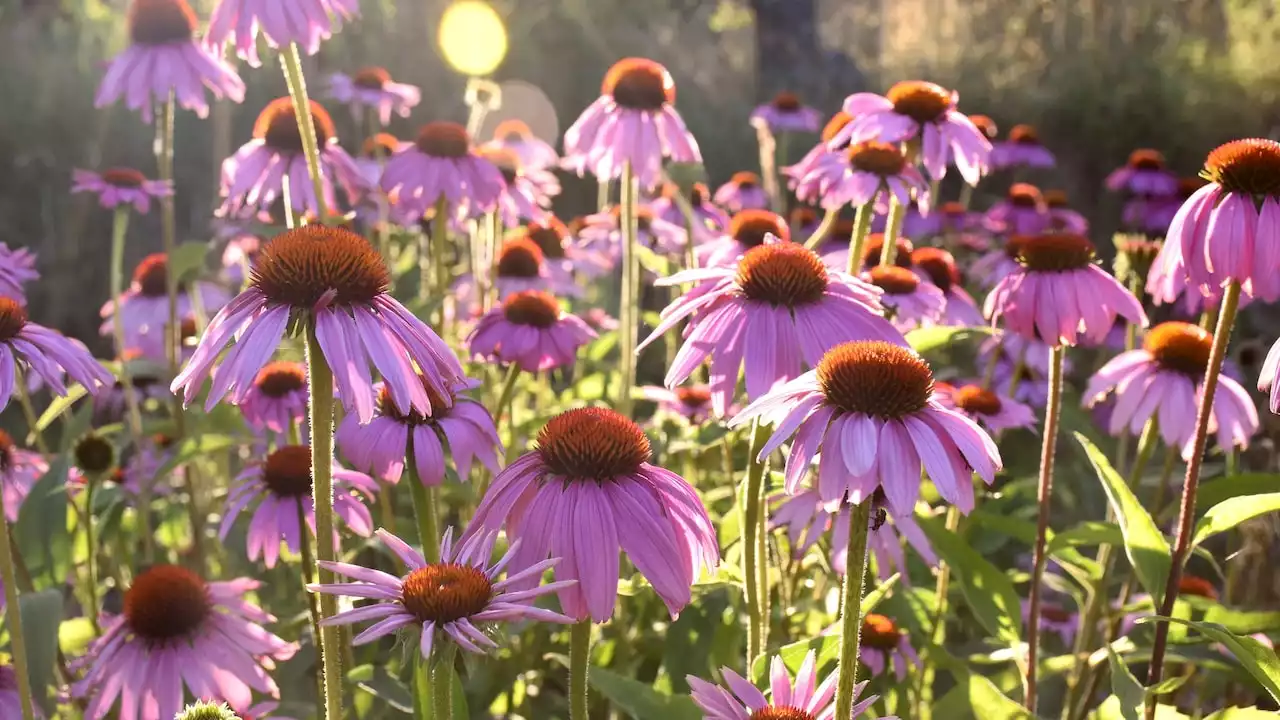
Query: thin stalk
column 1191, row 483
column 503, row 407
column 861, row 227
column 892, row 229
column 941, row 590
column 768, row 148
column 119, row 228
column 13, row 617
column 91, row 550
column 966, row 195
column 629, row 310
column 439, row 246
column 823, row 229
column 424, row 509
column 169, row 240
column 29, row 411
column 442, row 683
column 851, row 609
column 579, row 662
column 291, row 61
column 1051, row 415
column 1106, row 561
column 321, row 405
column 752, row 508
column 309, row 577
column 989, row 373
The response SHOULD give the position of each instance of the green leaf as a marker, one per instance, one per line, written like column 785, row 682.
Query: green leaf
column 41, row 615
column 1242, row 622
column 640, row 700
column 187, row 258
column 1215, row 491
column 1086, row 533
column 925, row 340
column 982, row 700
column 1238, row 713
column 1126, row 687
column 1258, row 659
column 988, row 589
column 194, row 447
column 1230, row 513
column 379, row 683
column 41, row 533
column 1169, row 685
column 1144, row 544
column 60, row 405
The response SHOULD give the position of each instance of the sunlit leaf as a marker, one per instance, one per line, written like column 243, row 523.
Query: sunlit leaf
column 41, row 615
column 977, row 697
column 1217, row 490
column 1258, row 659
column 1230, row 513
column 640, row 700
column 42, row 535
column 1126, row 687
column 988, row 589
column 930, row 339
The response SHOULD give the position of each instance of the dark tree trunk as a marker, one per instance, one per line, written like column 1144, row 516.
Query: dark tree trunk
column 790, row 54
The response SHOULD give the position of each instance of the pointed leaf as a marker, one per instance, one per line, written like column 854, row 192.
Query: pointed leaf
column 1125, row 687
column 41, row 533
column 41, row 615
column 640, row 700
column 1215, row 491
column 1243, row 622
column 925, row 340
column 59, row 405
column 1230, row 513
column 1144, row 544
column 982, row 700
column 1258, row 659
column 987, row 588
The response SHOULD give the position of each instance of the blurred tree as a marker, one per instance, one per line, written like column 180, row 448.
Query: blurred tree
column 787, row 38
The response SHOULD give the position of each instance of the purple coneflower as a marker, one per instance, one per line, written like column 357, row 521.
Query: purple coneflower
column 803, row 699
column 332, row 280
column 278, row 485
column 1230, row 229
column 998, row 264
column 144, row 307
column 1055, row 617
column 110, row 405
column 527, row 195
column 806, row 517
column 441, row 163
column 872, row 172
column 938, row 267
column 994, row 411
column 1022, row 212
column 374, row 152
column 587, row 491
column 1059, row 294
column 1021, row 149
column 379, row 447
column 602, row 233
column 1154, row 214
column 634, row 122
column 281, row 22
column 278, row 399
column 742, row 192
column 949, row 218
column 1163, row 379
column 45, row 353
column 120, row 186
column 691, row 402
column 252, row 178
column 179, row 634
column 563, row 257
column 917, row 110
column 137, row 471
column 884, row 643
column 707, row 218
column 747, row 229
column 530, row 330
column 869, row 407
column 163, row 60
column 821, row 152
column 534, row 152
column 458, row 596
column 908, row 301
column 17, row 267
column 785, row 113
column 1061, row 217
column 1144, row 174
column 372, row 87
column 10, row 700
column 238, row 256
column 778, row 309
column 20, row 470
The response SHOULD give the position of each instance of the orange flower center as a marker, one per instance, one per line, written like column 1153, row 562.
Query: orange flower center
column 921, row 101
column 835, row 125
column 875, row 378
column 1179, row 346
column 287, row 471
column 281, row 378
column 277, row 126
column 1197, row 586
column 1055, row 198
column 782, row 274
column 380, row 145
column 904, row 250
column 750, row 227
column 549, row 236
column 1146, row 159
column 1248, row 166
column 695, row 396
column 151, row 274
column 1025, row 195
column 786, row 101
column 894, row 280
column 745, row 179
column 1024, row 135
column 387, row 406
column 159, row 22
column 877, row 158
column 445, row 592
column 444, row 140
column 298, row 267
column 639, row 84
column 534, row 308
column 880, row 633
column 592, row 444
column 977, row 400
column 165, row 603
column 939, row 265
column 781, row 713
column 13, row 317
column 124, row 177
column 371, row 77
column 520, row 257
column 512, row 130
column 1055, row 613
column 1055, row 252
column 985, row 125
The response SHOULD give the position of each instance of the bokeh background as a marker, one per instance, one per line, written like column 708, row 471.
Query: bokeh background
column 1096, row 77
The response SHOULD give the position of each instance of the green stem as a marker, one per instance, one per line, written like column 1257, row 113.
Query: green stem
column 941, row 590
column 439, row 246
column 851, row 609
column 1051, row 415
column 91, row 550
column 503, row 407
column 823, row 229
column 892, row 229
column 13, row 617
column 424, row 509
column 442, row 682
column 861, row 226
column 1191, row 483
column 309, row 577
column 28, row 411
column 119, row 228
column 169, row 240
column 752, row 508
column 291, row 61
column 629, row 308
column 989, row 373
column 579, row 661
column 321, row 404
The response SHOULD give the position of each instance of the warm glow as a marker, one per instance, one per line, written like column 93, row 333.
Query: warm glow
column 472, row 37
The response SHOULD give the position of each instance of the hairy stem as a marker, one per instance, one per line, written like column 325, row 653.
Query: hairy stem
column 1044, row 494
column 851, row 609
column 321, row 388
